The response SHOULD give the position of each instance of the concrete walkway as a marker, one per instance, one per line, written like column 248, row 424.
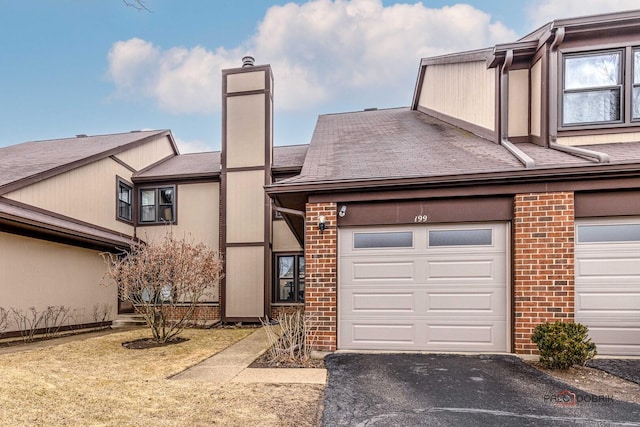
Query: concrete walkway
column 232, row 365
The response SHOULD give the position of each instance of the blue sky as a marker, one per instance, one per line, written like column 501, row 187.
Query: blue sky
column 72, row 67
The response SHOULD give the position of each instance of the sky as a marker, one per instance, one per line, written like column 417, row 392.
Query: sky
column 94, row 67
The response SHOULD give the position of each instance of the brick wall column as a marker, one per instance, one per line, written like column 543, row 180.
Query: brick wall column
column 543, row 263
column 320, row 276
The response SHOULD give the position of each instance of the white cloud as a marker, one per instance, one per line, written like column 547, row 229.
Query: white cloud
column 193, row 146
column 180, row 80
column 543, row 11
column 322, row 50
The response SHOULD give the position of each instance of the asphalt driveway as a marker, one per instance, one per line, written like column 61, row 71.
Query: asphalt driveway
column 453, row 390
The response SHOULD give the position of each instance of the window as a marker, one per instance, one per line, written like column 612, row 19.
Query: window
column 125, row 193
column 398, row 239
column 157, row 205
column 289, row 284
column 593, row 88
column 479, row 237
column 636, row 84
column 609, row 233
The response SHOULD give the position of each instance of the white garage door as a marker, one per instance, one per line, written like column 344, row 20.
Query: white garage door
column 608, row 283
column 441, row 288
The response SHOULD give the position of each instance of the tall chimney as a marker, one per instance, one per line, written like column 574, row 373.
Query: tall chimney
column 245, row 228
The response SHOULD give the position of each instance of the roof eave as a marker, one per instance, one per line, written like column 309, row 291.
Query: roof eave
column 514, row 177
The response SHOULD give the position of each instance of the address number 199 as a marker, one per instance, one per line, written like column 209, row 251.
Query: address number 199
column 420, row 218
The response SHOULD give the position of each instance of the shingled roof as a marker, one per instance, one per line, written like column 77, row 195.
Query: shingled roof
column 193, row 165
column 400, row 143
column 30, row 160
column 397, row 143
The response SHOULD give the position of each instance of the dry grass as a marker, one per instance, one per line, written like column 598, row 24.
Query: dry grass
column 97, row 382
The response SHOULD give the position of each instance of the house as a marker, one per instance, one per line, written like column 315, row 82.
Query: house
column 507, row 194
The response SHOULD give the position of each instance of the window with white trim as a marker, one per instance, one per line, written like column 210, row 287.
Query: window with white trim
column 157, row 205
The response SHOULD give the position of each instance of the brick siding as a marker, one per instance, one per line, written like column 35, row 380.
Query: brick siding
column 279, row 310
column 321, row 280
column 543, row 263
column 202, row 313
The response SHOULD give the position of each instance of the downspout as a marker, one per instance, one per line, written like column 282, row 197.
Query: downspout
column 596, row 156
column 527, row 161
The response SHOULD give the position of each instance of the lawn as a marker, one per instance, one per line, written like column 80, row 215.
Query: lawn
column 97, row 382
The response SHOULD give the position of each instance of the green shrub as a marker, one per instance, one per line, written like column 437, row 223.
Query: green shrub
column 563, row 344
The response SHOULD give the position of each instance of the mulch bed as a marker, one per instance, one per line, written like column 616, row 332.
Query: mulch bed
column 144, row 343
column 265, row 362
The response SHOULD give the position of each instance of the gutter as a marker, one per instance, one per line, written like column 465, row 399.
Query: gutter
column 290, row 211
column 596, row 156
column 527, row 161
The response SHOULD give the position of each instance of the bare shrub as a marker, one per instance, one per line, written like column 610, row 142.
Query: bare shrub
column 4, row 320
column 28, row 321
column 53, row 318
column 165, row 281
column 101, row 312
column 291, row 337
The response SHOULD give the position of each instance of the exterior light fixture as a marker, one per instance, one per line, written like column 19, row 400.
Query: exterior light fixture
column 322, row 223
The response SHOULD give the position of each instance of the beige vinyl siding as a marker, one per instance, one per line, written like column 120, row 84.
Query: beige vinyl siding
column 147, row 154
column 87, row 193
column 465, row 91
column 38, row 273
column 198, row 214
column 519, row 103
column 610, row 138
column 245, row 131
column 536, row 98
column 244, row 268
column 244, row 82
column 245, row 206
column 283, row 238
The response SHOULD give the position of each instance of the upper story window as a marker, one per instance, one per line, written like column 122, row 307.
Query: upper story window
column 125, row 201
column 593, row 88
column 636, row 84
column 157, row 205
column 597, row 90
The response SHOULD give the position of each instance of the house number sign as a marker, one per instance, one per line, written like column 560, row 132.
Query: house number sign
column 421, row 218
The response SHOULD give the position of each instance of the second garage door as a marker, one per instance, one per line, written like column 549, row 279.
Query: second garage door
column 440, row 288
column 608, row 283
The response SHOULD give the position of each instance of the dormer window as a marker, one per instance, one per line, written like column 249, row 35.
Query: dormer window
column 636, row 84
column 593, row 88
column 600, row 88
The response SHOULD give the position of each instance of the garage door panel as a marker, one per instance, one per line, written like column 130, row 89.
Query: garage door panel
column 609, row 302
column 398, row 335
column 607, row 284
column 616, row 338
column 433, row 335
column 383, row 270
column 423, row 298
column 460, row 335
column 378, row 302
column 452, row 270
column 460, row 302
column 606, row 267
